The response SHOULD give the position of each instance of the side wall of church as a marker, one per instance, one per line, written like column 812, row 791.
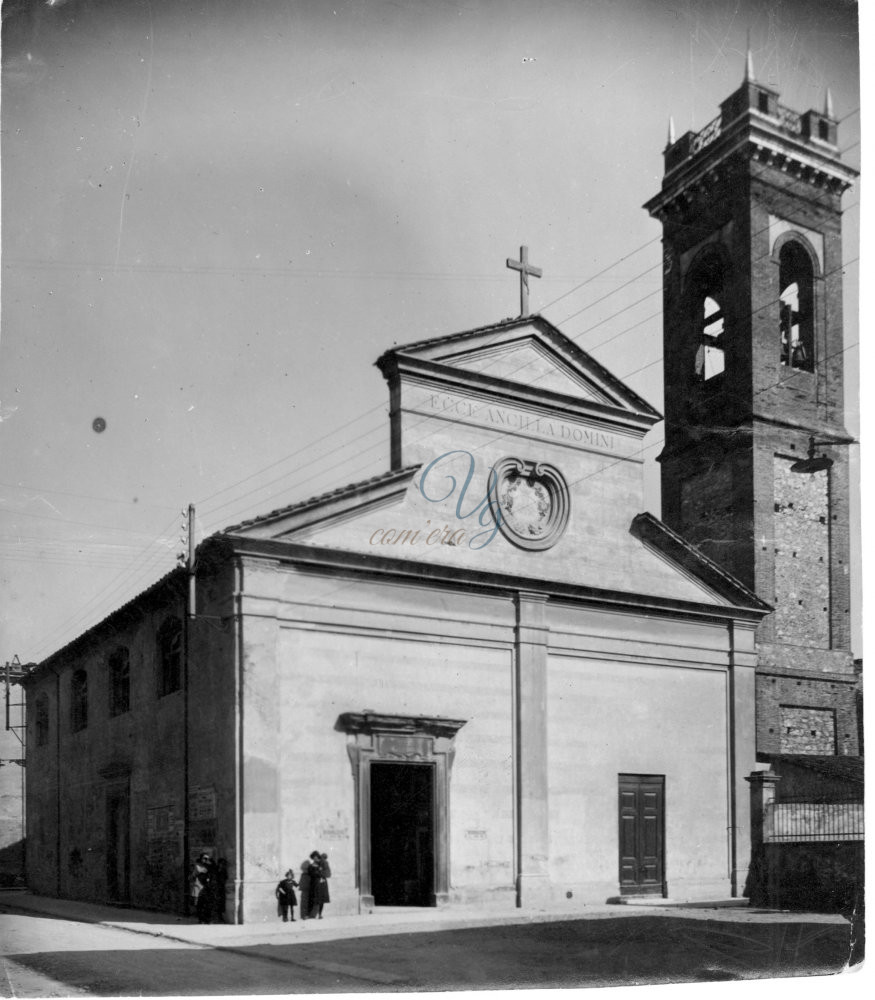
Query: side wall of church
column 105, row 801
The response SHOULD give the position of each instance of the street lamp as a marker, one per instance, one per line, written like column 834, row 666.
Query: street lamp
column 814, row 463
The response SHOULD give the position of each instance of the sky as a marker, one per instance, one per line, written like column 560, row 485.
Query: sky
column 217, row 215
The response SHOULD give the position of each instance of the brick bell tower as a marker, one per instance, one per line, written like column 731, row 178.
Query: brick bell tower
column 753, row 370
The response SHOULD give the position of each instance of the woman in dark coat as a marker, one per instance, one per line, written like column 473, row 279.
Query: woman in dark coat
column 320, row 872
column 201, row 888
column 286, row 898
column 221, row 877
column 306, row 886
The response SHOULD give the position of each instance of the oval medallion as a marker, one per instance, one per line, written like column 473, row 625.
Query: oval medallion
column 531, row 503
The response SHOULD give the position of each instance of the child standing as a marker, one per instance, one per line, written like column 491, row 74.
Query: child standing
column 286, row 898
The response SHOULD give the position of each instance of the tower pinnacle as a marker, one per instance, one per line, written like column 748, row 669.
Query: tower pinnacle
column 827, row 105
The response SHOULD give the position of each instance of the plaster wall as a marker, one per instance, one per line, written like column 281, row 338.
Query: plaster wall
column 392, row 650
column 606, row 718
column 596, row 549
column 322, row 674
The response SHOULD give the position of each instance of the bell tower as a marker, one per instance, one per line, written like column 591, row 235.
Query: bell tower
column 755, row 463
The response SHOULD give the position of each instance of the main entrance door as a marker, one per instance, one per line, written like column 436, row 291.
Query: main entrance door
column 118, row 846
column 642, row 834
column 402, row 834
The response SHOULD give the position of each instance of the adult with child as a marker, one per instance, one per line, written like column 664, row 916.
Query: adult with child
column 320, row 872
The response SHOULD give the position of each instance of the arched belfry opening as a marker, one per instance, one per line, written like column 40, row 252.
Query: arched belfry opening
column 709, row 296
column 796, row 279
column 753, row 373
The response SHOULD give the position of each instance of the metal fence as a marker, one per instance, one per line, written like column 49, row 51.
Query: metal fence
column 805, row 821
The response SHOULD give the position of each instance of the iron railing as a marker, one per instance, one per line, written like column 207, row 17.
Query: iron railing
column 706, row 135
column 788, row 120
column 806, row 821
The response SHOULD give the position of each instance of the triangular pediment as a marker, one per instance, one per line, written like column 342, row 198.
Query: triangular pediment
column 542, row 366
column 529, row 352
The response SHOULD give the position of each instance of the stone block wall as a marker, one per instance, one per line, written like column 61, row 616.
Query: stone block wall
column 803, row 704
column 802, row 556
column 807, row 730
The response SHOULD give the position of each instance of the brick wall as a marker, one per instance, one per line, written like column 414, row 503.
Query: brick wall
column 708, row 510
column 801, row 533
column 809, row 698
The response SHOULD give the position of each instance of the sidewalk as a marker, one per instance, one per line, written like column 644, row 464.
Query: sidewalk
column 409, row 949
column 388, row 920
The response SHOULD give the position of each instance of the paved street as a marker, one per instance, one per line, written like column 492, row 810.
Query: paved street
column 56, row 955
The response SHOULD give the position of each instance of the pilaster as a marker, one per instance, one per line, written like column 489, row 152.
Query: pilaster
column 532, row 816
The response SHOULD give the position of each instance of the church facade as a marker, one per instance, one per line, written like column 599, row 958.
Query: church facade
column 474, row 680
column 488, row 677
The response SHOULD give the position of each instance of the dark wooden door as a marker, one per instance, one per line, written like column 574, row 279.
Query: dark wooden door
column 118, row 846
column 642, row 834
column 402, row 834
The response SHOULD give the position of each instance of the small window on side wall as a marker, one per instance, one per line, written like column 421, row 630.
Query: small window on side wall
column 119, row 681
column 796, row 307
column 169, row 657
column 79, row 700
column 42, row 719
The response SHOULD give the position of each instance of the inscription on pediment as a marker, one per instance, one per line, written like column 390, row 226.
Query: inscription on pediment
column 510, row 418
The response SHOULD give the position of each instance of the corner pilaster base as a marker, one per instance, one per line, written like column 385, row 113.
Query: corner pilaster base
column 533, row 891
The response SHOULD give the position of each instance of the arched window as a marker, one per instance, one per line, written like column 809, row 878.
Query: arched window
column 119, row 681
column 169, row 657
column 79, row 700
column 710, row 360
column 42, row 719
column 797, row 307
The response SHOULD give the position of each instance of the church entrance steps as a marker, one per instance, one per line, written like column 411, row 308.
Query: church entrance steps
column 667, row 902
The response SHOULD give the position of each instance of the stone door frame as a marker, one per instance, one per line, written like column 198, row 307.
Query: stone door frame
column 375, row 738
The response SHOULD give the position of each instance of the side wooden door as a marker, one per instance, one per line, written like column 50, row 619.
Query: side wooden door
column 642, row 834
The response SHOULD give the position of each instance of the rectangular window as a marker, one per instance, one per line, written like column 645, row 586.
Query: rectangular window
column 79, row 701
column 42, row 720
column 119, row 682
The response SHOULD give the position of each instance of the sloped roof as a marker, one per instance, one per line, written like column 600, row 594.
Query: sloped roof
column 688, row 557
column 340, row 493
column 172, row 581
column 844, row 767
column 429, row 350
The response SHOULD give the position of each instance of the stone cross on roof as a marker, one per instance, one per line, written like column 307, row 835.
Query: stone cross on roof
column 525, row 268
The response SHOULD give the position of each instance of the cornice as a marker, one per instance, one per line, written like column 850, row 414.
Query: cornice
column 756, row 138
column 310, row 557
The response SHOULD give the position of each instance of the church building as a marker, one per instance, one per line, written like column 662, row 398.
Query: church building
column 488, row 676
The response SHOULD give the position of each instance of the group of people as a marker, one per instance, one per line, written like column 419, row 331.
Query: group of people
column 313, row 883
column 207, row 889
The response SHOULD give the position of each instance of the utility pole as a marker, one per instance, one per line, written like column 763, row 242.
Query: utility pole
column 14, row 671
column 192, row 611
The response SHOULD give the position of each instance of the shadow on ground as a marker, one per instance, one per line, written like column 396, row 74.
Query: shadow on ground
column 568, row 953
